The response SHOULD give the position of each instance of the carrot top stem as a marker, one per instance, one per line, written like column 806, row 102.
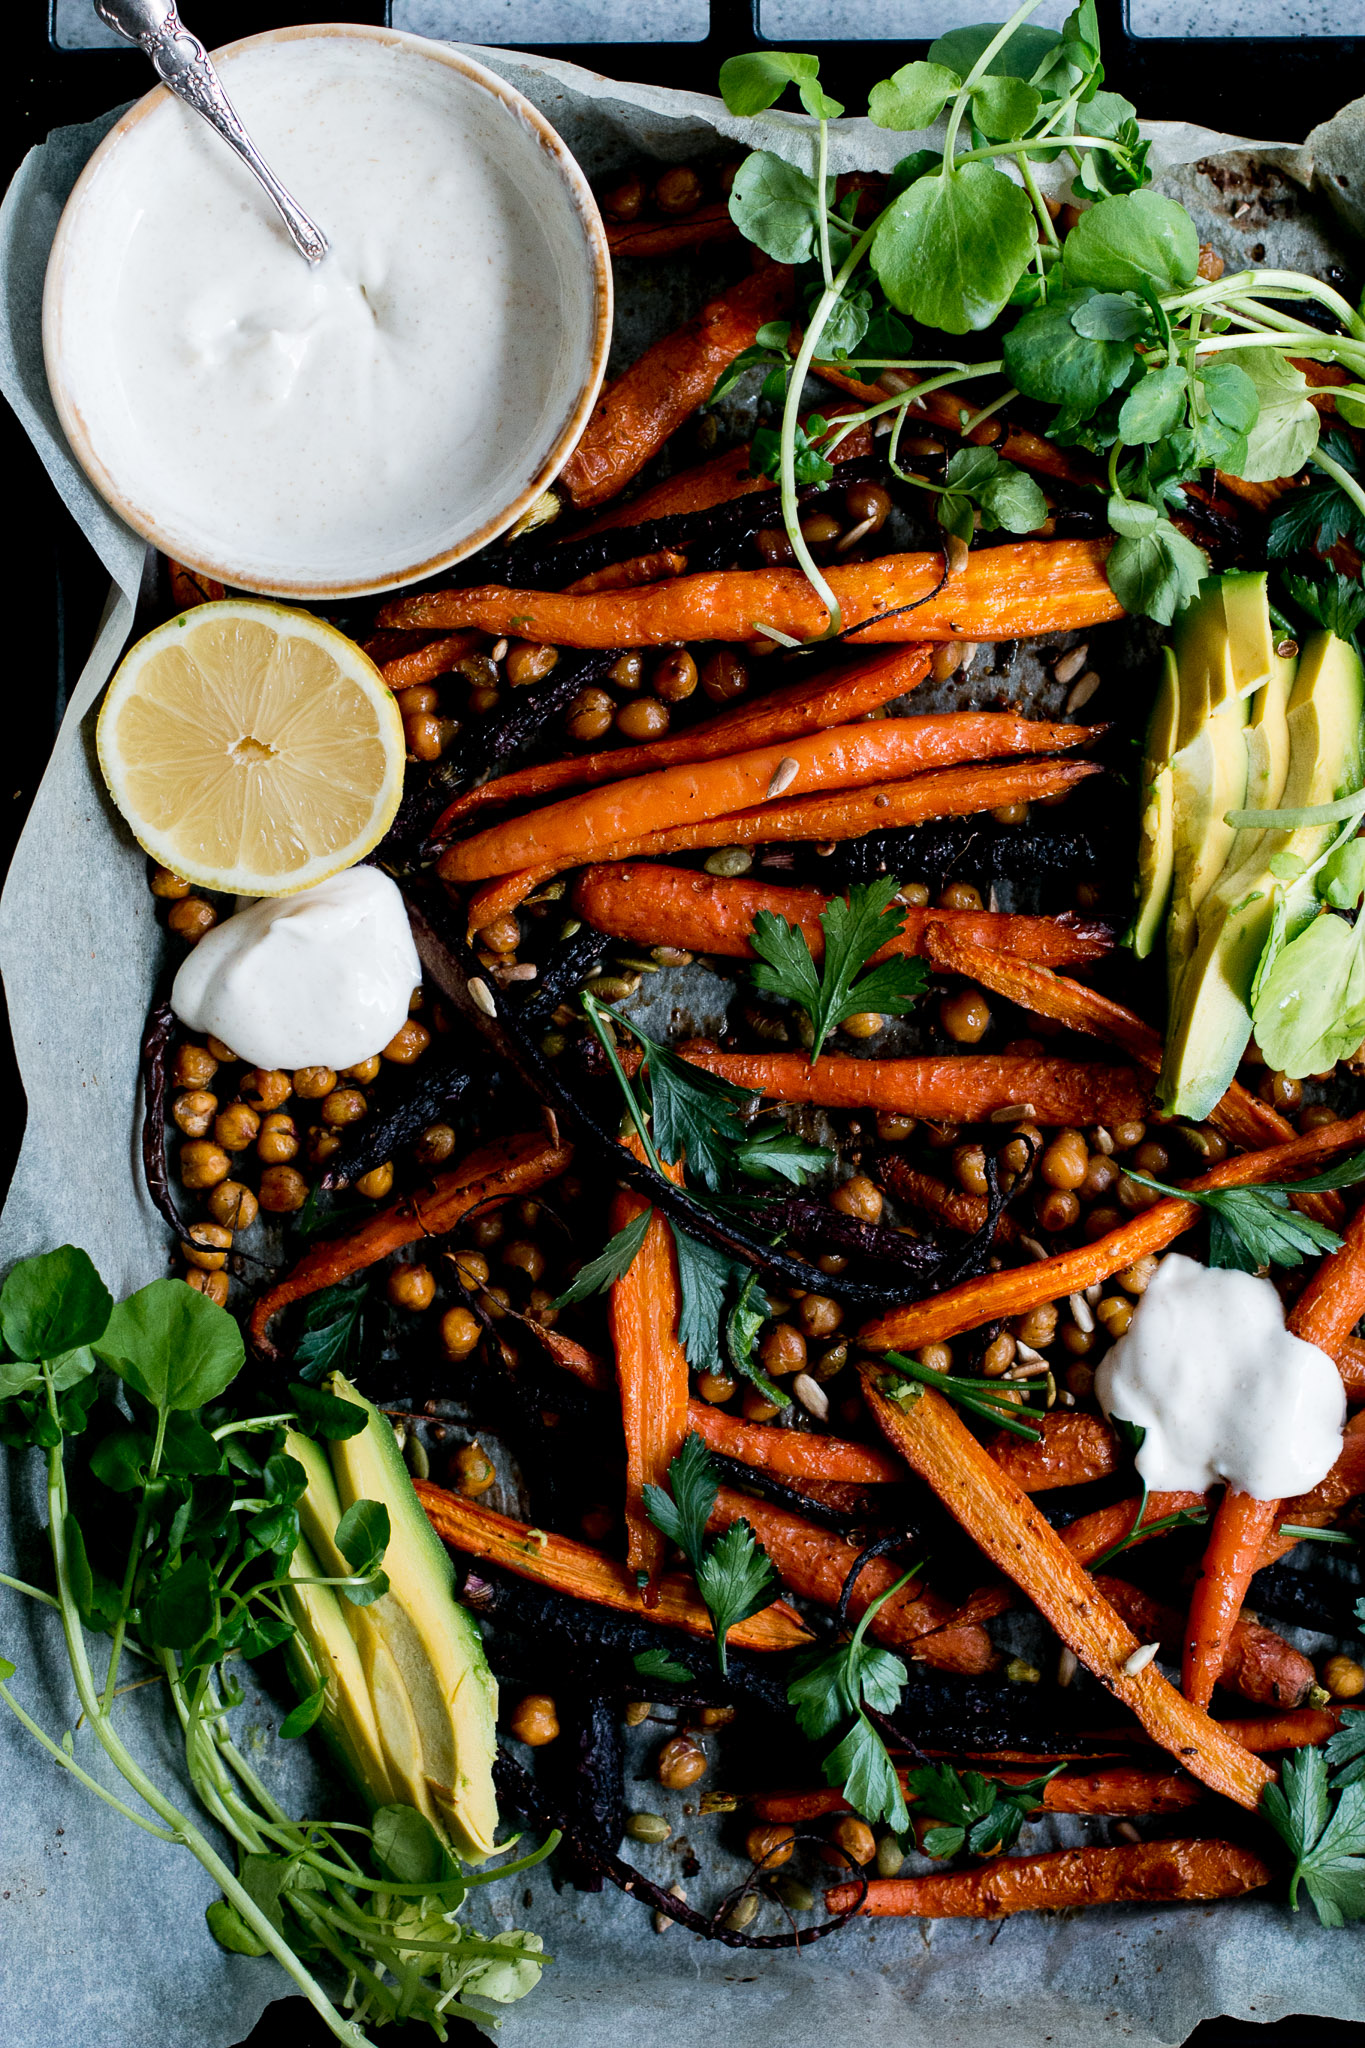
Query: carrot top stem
column 983, row 1398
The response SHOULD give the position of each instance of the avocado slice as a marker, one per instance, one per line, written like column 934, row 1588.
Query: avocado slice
column 419, row 1646
column 1251, row 636
column 1211, row 1019
column 323, row 1651
column 1156, row 829
column 1209, row 778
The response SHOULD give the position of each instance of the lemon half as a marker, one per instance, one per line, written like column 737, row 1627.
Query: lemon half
column 252, row 748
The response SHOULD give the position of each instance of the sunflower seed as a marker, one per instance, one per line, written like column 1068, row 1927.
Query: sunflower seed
column 812, row 1396
column 1140, row 1659
column 1080, row 1314
column 481, row 995
column 1071, row 663
column 1084, row 691
column 784, row 775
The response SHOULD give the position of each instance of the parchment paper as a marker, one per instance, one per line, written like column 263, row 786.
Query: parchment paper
column 102, row 1940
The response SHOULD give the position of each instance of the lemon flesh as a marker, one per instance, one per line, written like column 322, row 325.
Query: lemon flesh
column 252, row 748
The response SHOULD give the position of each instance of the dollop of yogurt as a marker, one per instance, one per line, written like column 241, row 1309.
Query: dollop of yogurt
column 319, row 979
column 1222, row 1389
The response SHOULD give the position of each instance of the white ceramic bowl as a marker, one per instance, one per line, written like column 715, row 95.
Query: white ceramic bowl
column 457, row 478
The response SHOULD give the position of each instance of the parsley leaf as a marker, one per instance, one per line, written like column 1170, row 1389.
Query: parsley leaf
column 696, row 1117
column 980, row 1814
column 613, row 1262
column 1255, row 1226
column 855, row 928
column 777, row 1154
column 682, row 1513
column 734, row 1575
column 830, row 1688
column 658, row 1664
column 1346, row 1749
column 704, row 1274
column 330, row 1341
column 1325, row 1831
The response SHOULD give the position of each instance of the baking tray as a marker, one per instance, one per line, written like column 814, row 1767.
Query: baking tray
column 1272, row 84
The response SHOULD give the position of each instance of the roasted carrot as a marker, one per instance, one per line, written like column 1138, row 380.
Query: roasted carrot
column 644, row 405
column 424, row 664
column 1072, row 1449
column 651, row 1371
column 666, row 237
column 815, row 1563
column 1132, row 1873
column 837, row 815
column 1333, row 1302
column 1115, row 1789
column 935, row 1199
column 1241, row 1115
column 1016, row 1289
column 794, row 1453
column 1003, row 593
column 961, row 1089
column 843, row 757
column 1241, row 1528
column 495, row 1173
column 192, row 586
column 1257, row 1663
column 1304, row 1728
column 809, row 706
column 1351, row 1366
column 1003, row 1522
column 661, row 906
column 630, row 574
column 587, row 1574
column 1321, row 1506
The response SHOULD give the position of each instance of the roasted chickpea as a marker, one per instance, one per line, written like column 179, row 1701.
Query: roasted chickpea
column 969, row 1169
column 528, row 661
column 202, row 1164
column 1101, row 1220
column 819, row 529
column 343, row 1106
column 643, row 718
column 1077, row 1341
column 422, row 732
column 279, row 1141
column 1127, row 1135
column 1138, row 1277
column 854, row 1837
column 363, row 1072
column 868, row 505
column 207, row 1247
column 590, row 715
column 283, row 1189
column 214, row 1285
column 408, row 1043
column 624, row 199
column 965, row 1016
column 168, row 886
column 488, row 1230
column 716, row 1387
column 782, row 1351
column 680, row 1763
column 627, row 672
column 863, row 1024
column 1065, row 1161
column 859, row 1198
column 460, row 1332
column 473, row 1470
column 320, row 1144
column 236, row 1127
column 1134, row 1194
column 377, row 1183
column 723, row 675
column 818, row 1315
column 232, row 1205
column 265, row 1088
column 675, row 676
column 998, row 1356
column 769, row 1846
column 193, row 1066
column 677, row 190
column 1317, row 1117
column 1010, row 814
column 525, row 1256
column 1150, row 1157
column 193, row 1112
column 894, row 1129
column 1038, row 1328
column 1056, row 1209
column 312, row 1083
column 435, row 1145
column 773, row 548
column 411, row 1287
column 936, row 1357
column 757, row 1408
column 1080, row 1380
column 1101, row 1177
column 1115, row 1311
column 472, row 1270
column 940, row 1137
column 1021, row 1152
column 502, row 936
column 534, row 1720
column 191, row 917
column 959, row 896
column 482, row 699
column 418, row 700
column 1282, row 1092
column 1343, row 1677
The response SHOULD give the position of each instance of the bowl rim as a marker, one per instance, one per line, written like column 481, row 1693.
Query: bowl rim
column 594, row 240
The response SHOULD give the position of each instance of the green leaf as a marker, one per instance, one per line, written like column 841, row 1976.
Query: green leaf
column 1020, row 57
column 950, row 249
column 1310, row 1009
column 658, row 1664
column 408, row 1846
column 777, row 1154
column 1010, row 501
column 826, row 1688
column 735, row 1579
column 263, row 1878
column 682, row 1513
column 120, row 1459
column 611, row 1264
column 697, row 1117
column 704, row 1277
column 325, row 1415
column 231, row 1932
column 776, row 206
column 1255, row 1226
column 752, row 83
column 362, row 1535
column 98, row 1600
column 861, row 1767
column 1334, row 602
column 1111, row 316
column 1230, row 393
column 173, row 1345
column 301, row 1718
column 1157, row 574
column 330, row 1338
column 1341, row 881
column 54, row 1303
column 188, row 1449
column 818, row 1692
column 1136, row 242
column 1345, row 1750
column 1155, row 406
column 855, row 928
column 1049, row 359
column 1004, row 108
column 1286, row 429
column 912, row 97
column 1326, row 1836
column 743, row 1324
column 182, row 1608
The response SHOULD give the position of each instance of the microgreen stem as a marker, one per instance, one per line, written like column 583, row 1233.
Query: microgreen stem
column 1030, row 184
column 594, row 1016
column 1261, row 284
column 33, row 1592
column 134, row 1560
column 59, row 1755
column 821, row 179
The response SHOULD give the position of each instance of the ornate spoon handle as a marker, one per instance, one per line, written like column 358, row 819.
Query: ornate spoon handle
column 184, row 65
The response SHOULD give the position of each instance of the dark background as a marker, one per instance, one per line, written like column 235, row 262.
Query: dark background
column 1249, row 86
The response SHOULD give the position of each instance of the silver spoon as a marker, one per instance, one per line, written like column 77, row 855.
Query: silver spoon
column 184, row 65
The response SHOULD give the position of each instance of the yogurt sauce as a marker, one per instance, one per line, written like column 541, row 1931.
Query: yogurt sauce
column 322, row 978
column 1222, row 1389
column 346, row 414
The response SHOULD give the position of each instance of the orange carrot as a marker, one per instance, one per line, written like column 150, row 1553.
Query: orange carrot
column 961, row 1089
column 586, row 1574
column 792, row 1453
column 808, row 706
column 1133, row 1873
column 1256, row 1662
column 837, row 815
column 1351, row 1366
column 815, row 1563
column 1003, row 593
column 1114, row 1789
column 629, row 575
column 1321, row 1506
column 1004, row 1523
column 1016, row 1289
column 651, row 1369
column 644, row 405
column 424, row 664
column 665, row 237
column 1241, row 1528
column 1072, row 1449
column 576, row 830
column 662, row 906
column 1241, row 1115
column 1304, row 1728
column 495, row 1173
column 1333, row 1302
column 191, row 586
column 936, row 1199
